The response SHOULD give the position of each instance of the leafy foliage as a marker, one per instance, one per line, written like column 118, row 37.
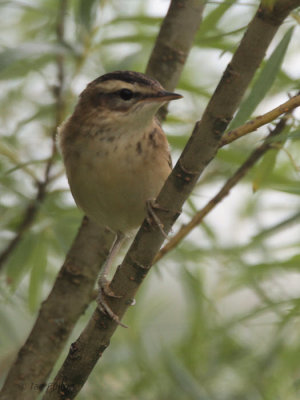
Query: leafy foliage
column 218, row 319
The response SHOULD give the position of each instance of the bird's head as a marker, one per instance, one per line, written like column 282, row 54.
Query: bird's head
column 124, row 97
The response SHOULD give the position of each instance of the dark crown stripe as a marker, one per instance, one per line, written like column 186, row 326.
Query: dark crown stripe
column 126, row 76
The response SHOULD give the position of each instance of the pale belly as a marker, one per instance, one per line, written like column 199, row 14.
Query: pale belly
column 112, row 186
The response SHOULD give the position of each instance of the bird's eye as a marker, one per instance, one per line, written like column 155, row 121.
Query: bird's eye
column 126, row 94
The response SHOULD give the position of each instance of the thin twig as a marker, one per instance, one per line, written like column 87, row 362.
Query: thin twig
column 261, row 120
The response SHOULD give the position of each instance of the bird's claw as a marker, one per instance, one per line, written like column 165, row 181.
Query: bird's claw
column 105, row 290
column 151, row 205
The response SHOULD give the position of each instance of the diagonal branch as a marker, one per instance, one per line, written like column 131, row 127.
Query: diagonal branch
column 87, row 253
column 201, row 148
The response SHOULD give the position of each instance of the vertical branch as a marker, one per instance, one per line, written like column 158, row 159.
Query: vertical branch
column 174, row 42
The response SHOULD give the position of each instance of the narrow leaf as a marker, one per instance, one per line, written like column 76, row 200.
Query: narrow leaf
column 38, row 262
column 264, row 169
column 291, row 188
column 18, row 263
column 211, row 20
column 86, row 13
column 183, row 378
column 26, row 51
column 264, row 81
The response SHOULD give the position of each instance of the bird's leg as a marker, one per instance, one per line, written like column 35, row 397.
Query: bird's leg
column 151, row 205
column 102, row 278
column 103, row 282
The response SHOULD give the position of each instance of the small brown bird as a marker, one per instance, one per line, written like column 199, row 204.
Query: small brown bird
column 115, row 152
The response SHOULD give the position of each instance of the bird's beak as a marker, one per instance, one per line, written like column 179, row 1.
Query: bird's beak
column 167, row 96
column 163, row 96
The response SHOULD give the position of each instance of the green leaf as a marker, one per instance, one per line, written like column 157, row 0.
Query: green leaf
column 292, row 263
column 233, row 156
column 177, row 141
column 86, row 13
column 275, row 228
column 291, row 188
column 23, row 166
column 211, row 20
column 264, row 81
column 183, row 378
column 268, row 3
column 28, row 53
column 294, row 135
column 264, row 169
column 38, row 263
column 25, row 6
column 135, row 38
column 17, row 264
column 142, row 19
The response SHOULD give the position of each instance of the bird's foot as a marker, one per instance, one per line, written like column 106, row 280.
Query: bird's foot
column 151, row 206
column 106, row 291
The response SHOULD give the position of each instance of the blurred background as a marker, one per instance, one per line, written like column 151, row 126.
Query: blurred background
column 218, row 317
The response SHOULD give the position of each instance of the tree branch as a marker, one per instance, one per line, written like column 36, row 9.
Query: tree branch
column 201, row 148
column 173, row 44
